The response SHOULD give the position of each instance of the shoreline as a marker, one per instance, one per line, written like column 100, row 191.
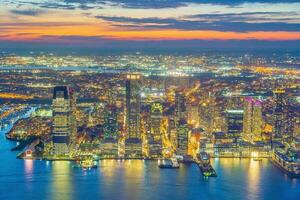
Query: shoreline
column 120, row 158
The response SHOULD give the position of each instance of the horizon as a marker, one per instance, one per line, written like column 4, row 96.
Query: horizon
column 269, row 24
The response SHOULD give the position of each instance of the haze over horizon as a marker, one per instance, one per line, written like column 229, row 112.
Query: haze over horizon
column 146, row 24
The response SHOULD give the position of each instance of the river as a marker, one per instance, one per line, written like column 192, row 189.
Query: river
column 138, row 179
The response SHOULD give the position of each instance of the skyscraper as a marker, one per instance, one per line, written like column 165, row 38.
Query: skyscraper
column 64, row 126
column 73, row 120
column 110, row 126
column 193, row 113
column 156, row 118
column 182, row 138
column 133, row 143
column 155, row 138
column 133, row 106
column 234, row 123
column 247, row 118
column 279, row 113
column 290, row 120
column 257, row 120
column 252, row 120
column 180, row 106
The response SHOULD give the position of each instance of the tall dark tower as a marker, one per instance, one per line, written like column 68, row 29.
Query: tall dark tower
column 64, row 125
column 133, row 106
column 61, row 120
column 180, row 106
column 279, row 113
column 133, row 142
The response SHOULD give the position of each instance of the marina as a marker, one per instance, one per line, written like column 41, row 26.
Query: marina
column 286, row 164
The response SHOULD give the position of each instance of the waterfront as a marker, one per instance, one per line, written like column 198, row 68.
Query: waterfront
column 138, row 179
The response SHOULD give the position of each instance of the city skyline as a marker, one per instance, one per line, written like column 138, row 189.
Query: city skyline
column 150, row 99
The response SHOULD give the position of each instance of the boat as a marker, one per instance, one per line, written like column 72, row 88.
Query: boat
column 85, row 164
column 286, row 164
column 171, row 163
column 204, row 165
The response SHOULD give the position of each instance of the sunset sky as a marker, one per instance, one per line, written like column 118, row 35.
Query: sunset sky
column 98, row 22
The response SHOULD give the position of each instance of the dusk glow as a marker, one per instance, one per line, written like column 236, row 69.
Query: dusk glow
column 95, row 21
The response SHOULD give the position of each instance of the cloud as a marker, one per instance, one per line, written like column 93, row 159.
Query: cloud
column 59, row 4
column 38, row 24
column 29, row 12
column 136, row 4
column 218, row 22
column 159, row 4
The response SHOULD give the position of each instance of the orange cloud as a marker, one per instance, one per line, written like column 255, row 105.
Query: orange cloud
column 202, row 35
column 32, row 33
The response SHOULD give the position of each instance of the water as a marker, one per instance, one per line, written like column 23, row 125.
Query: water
column 138, row 179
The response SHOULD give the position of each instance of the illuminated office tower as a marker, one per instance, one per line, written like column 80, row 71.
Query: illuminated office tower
column 257, row 120
column 247, row 118
column 204, row 116
column 155, row 120
column 133, row 106
column 279, row 113
column 252, row 120
column 290, row 120
column 155, row 138
column 110, row 125
column 193, row 114
column 73, row 119
column 180, row 106
column 234, row 123
column 182, row 138
column 64, row 124
column 213, row 113
column 133, row 143
column 109, row 144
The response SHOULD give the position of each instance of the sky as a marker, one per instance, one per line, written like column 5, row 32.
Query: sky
column 142, row 23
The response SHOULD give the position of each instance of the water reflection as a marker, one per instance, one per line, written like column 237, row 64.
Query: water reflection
column 62, row 180
column 108, row 168
column 28, row 167
column 134, row 177
column 253, row 173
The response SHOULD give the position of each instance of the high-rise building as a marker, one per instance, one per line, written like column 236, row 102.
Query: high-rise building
column 133, row 143
column 155, row 137
column 291, row 116
column 279, row 113
column 234, row 123
column 155, row 120
column 257, row 120
column 252, row 120
column 64, row 122
column 180, row 106
column 73, row 119
column 133, row 106
column 110, row 125
column 247, row 118
column 193, row 114
column 182, row 138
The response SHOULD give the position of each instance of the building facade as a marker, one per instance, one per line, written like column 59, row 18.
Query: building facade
column 64, row 122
